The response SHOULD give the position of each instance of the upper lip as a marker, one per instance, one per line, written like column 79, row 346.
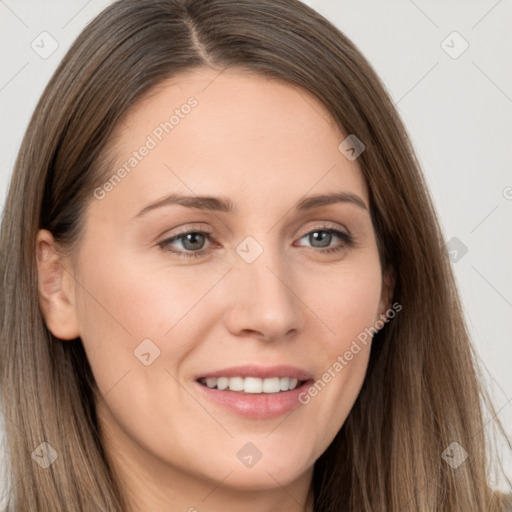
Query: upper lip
column 262, row 372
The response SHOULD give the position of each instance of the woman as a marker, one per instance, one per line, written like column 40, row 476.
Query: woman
column 173, row 338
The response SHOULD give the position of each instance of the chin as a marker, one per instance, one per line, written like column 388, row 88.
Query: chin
column 260, row 480
column 263, row 475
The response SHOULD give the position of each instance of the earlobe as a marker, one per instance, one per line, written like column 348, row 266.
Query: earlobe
column 56, row 288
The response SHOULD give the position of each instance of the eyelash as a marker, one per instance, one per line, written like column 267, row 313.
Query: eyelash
column 347, row 239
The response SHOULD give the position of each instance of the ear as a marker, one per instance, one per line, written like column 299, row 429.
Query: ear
column 388, row 286
column 56, row 287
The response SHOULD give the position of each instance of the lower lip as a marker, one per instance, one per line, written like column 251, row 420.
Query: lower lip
column 257, row 405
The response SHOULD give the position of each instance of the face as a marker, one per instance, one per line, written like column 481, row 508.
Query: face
column 261, row 281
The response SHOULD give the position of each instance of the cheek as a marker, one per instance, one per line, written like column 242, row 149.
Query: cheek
column 122, row 306
column 349, row 306
column 348, row 303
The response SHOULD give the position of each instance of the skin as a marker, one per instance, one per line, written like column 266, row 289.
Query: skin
column 264, row 144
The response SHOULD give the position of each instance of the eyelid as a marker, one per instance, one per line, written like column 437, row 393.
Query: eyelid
column 325, row 226
column 347, row 240
column 188, row 228
column 205, row 230
column 166, row 242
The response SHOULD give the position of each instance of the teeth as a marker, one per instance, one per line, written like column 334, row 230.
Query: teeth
column 222, row 383
column 251, row 384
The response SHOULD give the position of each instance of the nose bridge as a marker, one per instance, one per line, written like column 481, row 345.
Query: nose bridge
column 265, row 297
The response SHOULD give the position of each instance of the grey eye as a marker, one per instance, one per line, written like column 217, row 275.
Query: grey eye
column 192, row 241
column 323, row 237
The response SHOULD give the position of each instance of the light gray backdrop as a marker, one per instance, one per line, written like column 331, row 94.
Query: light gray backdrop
column 447, row 66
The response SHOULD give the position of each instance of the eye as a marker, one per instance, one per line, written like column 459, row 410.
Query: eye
column 192, row 243
column 321, row 237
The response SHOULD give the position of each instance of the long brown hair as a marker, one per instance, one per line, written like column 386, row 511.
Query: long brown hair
column 423, row 389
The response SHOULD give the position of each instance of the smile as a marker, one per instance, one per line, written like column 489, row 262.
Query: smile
column 252, row 384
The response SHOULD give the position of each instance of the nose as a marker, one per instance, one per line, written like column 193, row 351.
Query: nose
column 264, row 298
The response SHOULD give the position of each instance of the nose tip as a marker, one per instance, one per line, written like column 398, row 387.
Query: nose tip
column 263, row 301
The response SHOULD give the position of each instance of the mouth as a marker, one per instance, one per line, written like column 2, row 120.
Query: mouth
column 256, row 392
column 252, row 385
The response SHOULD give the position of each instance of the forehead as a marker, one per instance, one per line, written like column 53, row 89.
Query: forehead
column 232, row 133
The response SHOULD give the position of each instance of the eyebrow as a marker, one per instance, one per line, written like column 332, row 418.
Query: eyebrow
column 225, row 205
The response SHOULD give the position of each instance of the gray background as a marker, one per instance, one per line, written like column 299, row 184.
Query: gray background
column 457, row 109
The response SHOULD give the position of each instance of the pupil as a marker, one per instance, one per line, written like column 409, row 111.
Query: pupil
column 324, row 238
column 192, row 238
